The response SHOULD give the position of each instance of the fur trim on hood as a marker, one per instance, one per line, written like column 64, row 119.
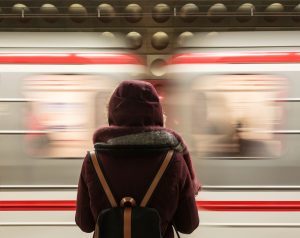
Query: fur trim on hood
column 158, row 137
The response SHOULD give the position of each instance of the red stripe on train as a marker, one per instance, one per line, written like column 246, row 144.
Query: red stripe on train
column 235, row 58
column 69, row 58
column 245, row 206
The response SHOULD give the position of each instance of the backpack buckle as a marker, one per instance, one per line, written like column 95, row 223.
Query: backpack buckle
column 127, row 202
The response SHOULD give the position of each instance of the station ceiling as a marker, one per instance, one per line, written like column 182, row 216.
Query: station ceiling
column 152, row 28
column 163, row 22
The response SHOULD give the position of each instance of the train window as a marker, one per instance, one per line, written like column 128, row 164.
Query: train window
column 63, row 114
column 236, row 116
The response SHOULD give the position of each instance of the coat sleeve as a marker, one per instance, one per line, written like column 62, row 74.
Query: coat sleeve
column 84, row 217
column 182, row 147
column 195, row 182
column 186, row 217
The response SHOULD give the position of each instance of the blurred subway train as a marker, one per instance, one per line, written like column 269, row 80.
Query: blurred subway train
column 237, row 102
column 54, row 88
column 233, row 96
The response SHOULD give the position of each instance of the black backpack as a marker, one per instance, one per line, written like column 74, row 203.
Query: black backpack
column 129, row 220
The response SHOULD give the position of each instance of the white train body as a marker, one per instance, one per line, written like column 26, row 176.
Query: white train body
column 233, row 96
column 237, row 97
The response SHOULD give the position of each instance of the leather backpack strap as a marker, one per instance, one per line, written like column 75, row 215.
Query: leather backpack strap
column 157, row 178
column 127, row 222
column 103, row 181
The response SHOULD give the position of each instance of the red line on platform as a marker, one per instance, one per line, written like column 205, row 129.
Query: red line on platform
column 38, row 205
column 70, row 205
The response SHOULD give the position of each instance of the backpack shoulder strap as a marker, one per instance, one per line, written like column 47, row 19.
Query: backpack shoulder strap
column 157, row 178
column 102, row 179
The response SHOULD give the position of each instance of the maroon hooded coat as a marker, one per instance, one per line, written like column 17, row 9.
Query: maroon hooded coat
column 135, row 117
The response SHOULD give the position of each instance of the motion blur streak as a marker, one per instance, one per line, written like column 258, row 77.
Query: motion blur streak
column 236, row 58
column 70, row 58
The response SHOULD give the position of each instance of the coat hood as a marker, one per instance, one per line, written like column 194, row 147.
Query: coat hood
column 135, row 103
